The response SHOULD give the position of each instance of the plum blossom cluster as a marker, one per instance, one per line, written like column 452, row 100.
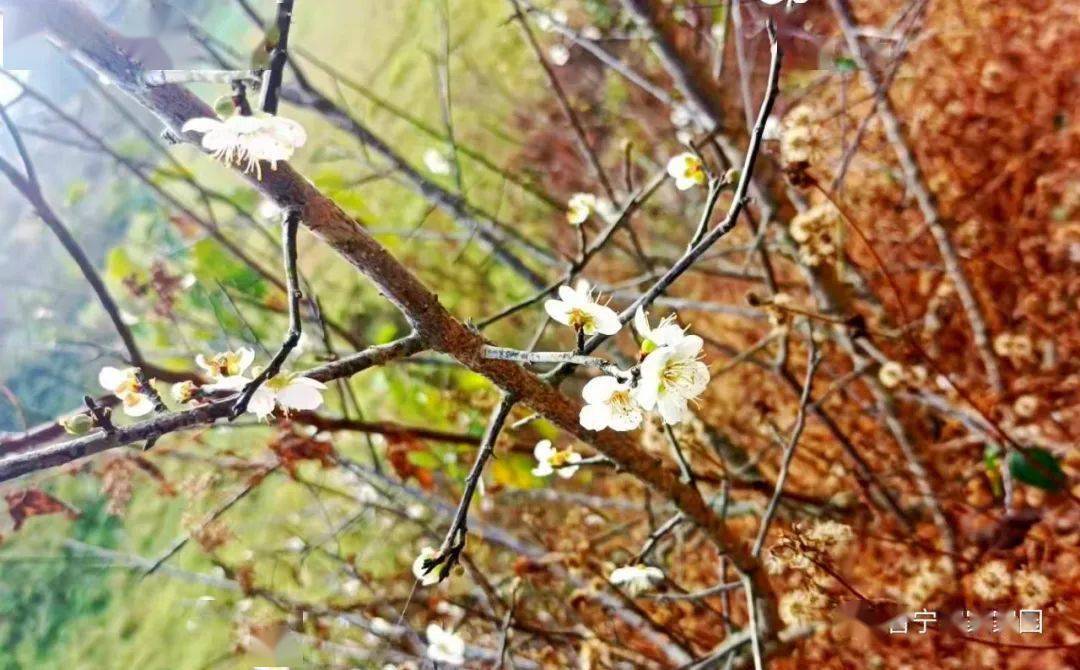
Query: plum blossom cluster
column 245, row 140
column 806, row 550
column 227, row 372
column 669, row 377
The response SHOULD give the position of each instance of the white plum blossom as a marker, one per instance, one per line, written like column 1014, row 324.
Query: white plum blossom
column 609, row 404
column 226, row 369
column 667, row 333
column 184, row 392
column 636, row 578
column 549, row 460
column 245, row 140
column 445, row 646
column 577, row 308
column 671, row 376
column 430, row 577
column 288, row 391
column 124, row 384
column 579, row 207
column 436, row 162
column 687, row 170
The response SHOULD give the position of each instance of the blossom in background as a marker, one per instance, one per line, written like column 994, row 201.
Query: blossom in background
column 445, row 646
column 226, row 369
column 666, row 333
column 636, row 578
column 245, row 140
column 1026, row 406
column 549, row 460
column 992, row 581
column 671, row 376
column 430, row 577
column 288, row 391
column 436, row 162
column 579, row 207
column 802, row 606
column 124, row 384
column 687, row 170
column 830, row 537
column 891, row 374
column 1032, row 588
column 609, row 404
column 559, row 54
column 577, row 308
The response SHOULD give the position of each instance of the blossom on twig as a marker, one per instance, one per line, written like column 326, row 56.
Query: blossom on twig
column 124, row 384
column 671, row 376
column 687, row 170
column 609, row 404
column 549, row 460
column 636, row 578
column 577, row 308
column 246, row 140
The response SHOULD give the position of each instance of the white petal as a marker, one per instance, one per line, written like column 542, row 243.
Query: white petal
column 219, row 139
column 667, row 335
column 301, row 396
column 689, row 346
column 605, row 319
column 654, row 364
column 641, row 323
column 111, row 378
column 676, row 167
column 141, row 406
column 646, row 392
column 558, row 310
column 200, row 360
column 429, row 578
column 245, row 357
column 543, row 451
column 234, row 383
column 599, row 389
column 568, row 295
column 672, row 407
column 698, row 380
column 625, row 417
column 543, row 469
column 595, row 417
column 435, row 633
column 262, row 402
column 288, row 131
column 201, row 125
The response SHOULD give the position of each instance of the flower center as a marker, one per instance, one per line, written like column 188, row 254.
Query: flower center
column 580, row 318
column 560, row 458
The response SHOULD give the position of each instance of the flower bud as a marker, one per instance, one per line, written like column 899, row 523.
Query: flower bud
column 77, row 424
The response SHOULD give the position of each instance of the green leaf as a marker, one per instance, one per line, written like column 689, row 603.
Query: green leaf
column 424, row 459
column 76, row 192
column 845, row 64
column 119, row 266
column 214, row 264
column 1037, row 467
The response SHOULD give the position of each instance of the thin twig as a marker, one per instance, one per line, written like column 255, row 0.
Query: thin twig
column 289, row 226
column 271, row 84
